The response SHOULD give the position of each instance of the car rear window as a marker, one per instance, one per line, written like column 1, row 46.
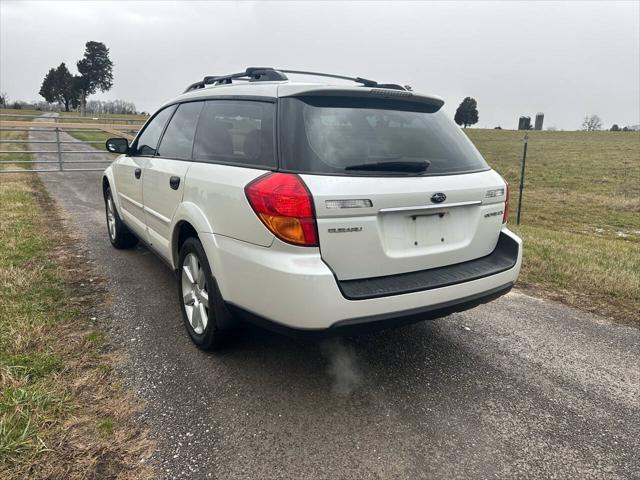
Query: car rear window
column 346, row 136
column 236, row 132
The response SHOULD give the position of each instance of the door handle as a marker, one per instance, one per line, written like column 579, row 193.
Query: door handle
column 174, row 182
column 137, row 172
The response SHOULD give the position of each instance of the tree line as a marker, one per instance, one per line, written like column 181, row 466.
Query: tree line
column 93, row 106
column 593, row 123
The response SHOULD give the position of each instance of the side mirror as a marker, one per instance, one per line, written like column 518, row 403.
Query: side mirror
column 117, row 145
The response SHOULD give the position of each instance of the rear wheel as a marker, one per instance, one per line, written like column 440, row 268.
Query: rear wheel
column 203, row 310
column 119, row 235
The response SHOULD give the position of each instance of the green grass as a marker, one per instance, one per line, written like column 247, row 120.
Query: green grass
column 105, row 427
column 57, row 381
column 32, row 300
column 32, row 365
column 92, row 137
column 24, row 414
column 581, row 214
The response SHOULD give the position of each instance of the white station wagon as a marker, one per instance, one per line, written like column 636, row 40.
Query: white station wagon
column 312, row 208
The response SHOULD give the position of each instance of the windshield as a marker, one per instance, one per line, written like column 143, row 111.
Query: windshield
column 363, row 137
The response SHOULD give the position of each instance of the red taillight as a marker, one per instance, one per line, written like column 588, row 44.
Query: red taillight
column 284, row 204
column 505, row 215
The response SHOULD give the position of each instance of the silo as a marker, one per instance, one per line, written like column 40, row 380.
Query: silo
column 524, row 123
column 539, row 120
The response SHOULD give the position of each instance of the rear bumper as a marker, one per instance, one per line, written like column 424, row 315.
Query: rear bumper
column 376, row 322
column 293, row 289
column 503, row 257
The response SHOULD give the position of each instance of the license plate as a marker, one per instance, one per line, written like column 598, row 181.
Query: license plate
column 428, row 228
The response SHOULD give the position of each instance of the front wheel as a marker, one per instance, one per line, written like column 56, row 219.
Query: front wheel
column 119, row 235
column 203, row 310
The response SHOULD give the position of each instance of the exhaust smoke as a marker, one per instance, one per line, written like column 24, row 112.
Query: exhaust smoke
column 343, row 366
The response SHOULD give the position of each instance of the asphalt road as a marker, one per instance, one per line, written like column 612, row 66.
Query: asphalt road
column 519, row 388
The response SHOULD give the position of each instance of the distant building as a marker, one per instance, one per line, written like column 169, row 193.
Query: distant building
column 524, row 123
column 539, row 121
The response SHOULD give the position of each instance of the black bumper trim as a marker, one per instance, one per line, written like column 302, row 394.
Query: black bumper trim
column 503, row 257
column 376, row 322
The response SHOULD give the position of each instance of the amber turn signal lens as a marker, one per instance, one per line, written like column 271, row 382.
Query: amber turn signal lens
column 287, row 228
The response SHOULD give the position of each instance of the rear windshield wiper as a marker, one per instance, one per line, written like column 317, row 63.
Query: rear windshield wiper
column 392, row 166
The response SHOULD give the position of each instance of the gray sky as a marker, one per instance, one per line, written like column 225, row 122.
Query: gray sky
column 564, row 59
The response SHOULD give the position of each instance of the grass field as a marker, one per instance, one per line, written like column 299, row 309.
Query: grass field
column 580, row 217
column 9, row 112
column 63, row 413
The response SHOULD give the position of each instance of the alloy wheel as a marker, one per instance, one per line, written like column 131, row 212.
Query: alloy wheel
column 111, row 218
column 194, row 293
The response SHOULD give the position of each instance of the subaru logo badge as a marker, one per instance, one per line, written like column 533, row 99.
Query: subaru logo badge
column 438, row 197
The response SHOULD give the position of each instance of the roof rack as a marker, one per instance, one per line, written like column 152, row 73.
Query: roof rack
column 269, row 74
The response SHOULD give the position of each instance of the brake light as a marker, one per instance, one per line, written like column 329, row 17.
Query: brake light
column 505, row 215
column 285, row 206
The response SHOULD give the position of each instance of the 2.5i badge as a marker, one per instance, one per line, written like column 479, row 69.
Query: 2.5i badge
column 493, row 214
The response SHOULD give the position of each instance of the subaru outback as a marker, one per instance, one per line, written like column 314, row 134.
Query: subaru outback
column 311, row 208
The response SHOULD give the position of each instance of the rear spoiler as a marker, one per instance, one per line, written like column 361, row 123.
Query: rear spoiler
column 376, row 94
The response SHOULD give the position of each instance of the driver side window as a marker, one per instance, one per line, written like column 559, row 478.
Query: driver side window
column 147, row 142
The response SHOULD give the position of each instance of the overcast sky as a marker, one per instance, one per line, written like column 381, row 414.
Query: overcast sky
column 565, row 59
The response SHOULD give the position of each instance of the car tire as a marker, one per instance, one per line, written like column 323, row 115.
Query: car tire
column 203, row 310
column 119, row 235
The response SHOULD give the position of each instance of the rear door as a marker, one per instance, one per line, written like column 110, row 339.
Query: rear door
column 397, row 186
column 128, row 173
column 164, row 175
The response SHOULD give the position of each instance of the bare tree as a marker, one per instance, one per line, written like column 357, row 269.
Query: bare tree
column 591, row 123
column 4, row 99
column 110, row 106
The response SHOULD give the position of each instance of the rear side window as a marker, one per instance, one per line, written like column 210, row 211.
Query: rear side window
column 237, row 133
column 148, row 140
column 177, row 140
column 365, row 137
